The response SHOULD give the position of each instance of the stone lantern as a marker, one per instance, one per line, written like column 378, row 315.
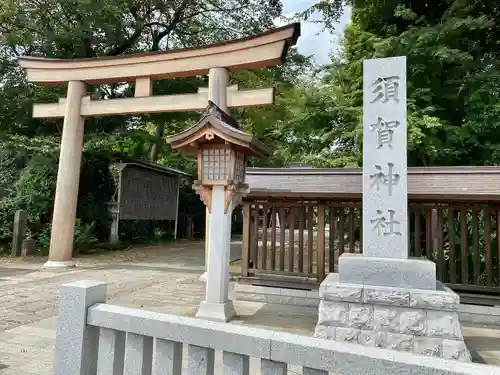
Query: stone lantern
column 222, row 149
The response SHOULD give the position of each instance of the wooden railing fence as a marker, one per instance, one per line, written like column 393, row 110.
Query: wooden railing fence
column 302, row 240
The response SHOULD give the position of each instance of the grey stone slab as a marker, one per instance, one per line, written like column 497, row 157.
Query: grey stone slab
column 350, row 335
column 200, row 360
column 331, row 290
column 111, row 354
column 167, row 357
column 138, row 355
column 268, row 367
column 360, row 316
column 372, row 338
column 333, row 313
column 435, row 300
column 456, row 350
column 351, row 359
column 385, row 190
column 311, row 371
column 399, row 342
column 324, row 332
column 251, row 341
column 428, row 346
column 386, row 296
column 235, row 364
column 443, row 324
column 400, row 320
column 400, row 273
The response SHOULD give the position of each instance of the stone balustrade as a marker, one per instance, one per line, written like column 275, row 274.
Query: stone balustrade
column 97, row 338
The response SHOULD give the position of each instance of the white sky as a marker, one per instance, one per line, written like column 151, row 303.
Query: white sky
column 310, row 43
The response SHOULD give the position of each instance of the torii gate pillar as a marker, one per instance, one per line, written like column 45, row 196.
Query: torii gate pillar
column 68, row 178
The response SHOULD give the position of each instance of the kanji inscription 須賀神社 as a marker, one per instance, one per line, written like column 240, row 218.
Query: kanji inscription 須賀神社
column 385, row 202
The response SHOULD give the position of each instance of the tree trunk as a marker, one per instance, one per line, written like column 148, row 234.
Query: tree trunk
column 156, row 147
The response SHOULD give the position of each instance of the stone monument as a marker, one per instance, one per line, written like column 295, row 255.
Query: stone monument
column 382, row 297
column 19, row 232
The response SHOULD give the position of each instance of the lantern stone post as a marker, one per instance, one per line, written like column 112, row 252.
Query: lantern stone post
column 222, row 150
column 218, row 80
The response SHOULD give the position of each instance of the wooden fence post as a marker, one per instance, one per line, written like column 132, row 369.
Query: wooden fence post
column 245, row 250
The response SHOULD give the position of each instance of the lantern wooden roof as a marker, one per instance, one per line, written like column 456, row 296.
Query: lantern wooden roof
column 216, row 127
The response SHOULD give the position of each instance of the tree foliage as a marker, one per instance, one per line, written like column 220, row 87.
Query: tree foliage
column 453, row 71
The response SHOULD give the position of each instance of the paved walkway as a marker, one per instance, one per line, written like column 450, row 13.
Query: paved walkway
column 157, row 278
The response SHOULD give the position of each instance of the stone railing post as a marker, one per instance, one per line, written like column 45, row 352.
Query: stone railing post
column 76, row 342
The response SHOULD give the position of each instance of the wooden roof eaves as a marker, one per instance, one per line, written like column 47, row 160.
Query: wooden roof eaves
column 263, row 194
column 359, row 171
column 152, row 167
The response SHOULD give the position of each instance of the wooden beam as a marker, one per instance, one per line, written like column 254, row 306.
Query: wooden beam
column 256, row 51
column 155, row 104
column 143, row 87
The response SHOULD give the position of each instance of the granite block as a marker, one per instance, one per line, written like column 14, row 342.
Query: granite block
column 385, row 319
column 431, row 347
column 386, row 296
column 400, row 273
column 324, row 332
column 398, row 341
column 167, row 358
column 347, row 334
column 399, row 320
column 443, row 324
column 139, row 354
column 457, row 350
column 331, row 290
column 412, row 321
column 234, row 364
column 372, row 338
column 333, row 313
column 200, row 361
column 360, row 316
column 434, row 300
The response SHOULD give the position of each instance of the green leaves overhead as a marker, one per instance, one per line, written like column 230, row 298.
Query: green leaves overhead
column 453, row 71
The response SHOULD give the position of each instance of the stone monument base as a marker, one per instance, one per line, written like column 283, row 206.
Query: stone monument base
column 419, row 321
column 415, row 273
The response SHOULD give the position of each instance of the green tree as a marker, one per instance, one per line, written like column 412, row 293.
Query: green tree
column 453, row 71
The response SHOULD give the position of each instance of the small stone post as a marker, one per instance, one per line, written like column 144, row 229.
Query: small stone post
column 76, row 342
column 19, row 232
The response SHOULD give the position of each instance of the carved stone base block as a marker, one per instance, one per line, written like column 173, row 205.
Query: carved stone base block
column 220, row 312
column 420, row 321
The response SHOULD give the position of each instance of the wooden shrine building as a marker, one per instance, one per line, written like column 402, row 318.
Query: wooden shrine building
column 298, row 221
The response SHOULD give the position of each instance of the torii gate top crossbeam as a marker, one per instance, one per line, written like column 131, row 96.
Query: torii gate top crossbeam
column 256, row 51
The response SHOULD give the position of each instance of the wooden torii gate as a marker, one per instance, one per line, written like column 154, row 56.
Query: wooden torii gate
column 217, row 60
